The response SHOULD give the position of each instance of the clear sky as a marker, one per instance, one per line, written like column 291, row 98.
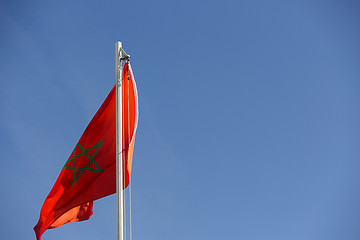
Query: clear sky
column 249, row 115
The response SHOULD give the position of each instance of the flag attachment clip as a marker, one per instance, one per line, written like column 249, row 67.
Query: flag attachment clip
column 125, row 56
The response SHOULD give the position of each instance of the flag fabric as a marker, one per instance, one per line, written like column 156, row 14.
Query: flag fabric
column 90, row 171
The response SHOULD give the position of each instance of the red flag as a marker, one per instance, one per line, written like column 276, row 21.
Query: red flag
column 90, row 171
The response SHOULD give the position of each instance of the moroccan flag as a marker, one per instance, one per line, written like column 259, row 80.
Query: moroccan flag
column 90, row 171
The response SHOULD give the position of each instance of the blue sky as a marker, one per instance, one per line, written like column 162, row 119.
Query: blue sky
column 249, row 114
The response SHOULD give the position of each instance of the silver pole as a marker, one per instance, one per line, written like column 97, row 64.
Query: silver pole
column 119, row 160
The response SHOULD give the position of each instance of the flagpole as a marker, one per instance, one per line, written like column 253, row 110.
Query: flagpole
column 119, row 160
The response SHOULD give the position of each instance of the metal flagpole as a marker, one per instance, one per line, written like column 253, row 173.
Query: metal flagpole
column 119, row 160
column 120, row 56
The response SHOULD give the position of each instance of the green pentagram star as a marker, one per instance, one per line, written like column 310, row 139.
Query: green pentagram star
column 91, row 160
